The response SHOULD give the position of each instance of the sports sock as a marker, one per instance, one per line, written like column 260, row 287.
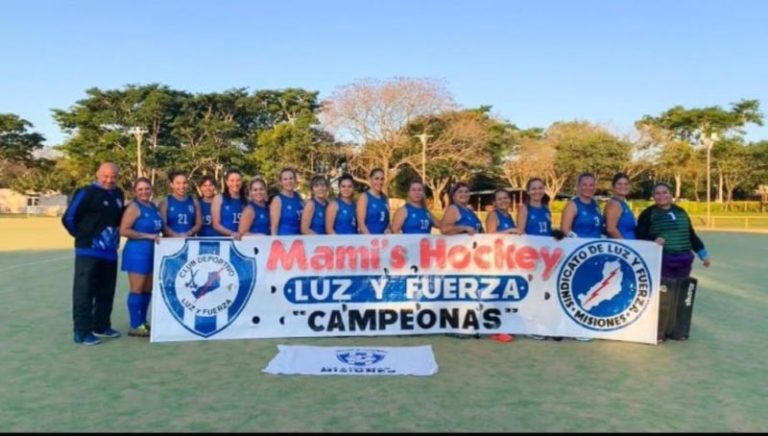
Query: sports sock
column 134, row 309
column 146, row 298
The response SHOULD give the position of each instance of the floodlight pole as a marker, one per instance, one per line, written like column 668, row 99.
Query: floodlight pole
column 138, row 133
column 709, row 141
column 423, row 137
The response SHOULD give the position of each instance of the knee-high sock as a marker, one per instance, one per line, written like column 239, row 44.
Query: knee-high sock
column 145, row 300
column 134, row 309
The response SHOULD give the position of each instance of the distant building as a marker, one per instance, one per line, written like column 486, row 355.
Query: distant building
column 48, row 204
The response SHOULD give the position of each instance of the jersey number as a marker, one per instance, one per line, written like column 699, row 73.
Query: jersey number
column 182, row 218
column 542, row 227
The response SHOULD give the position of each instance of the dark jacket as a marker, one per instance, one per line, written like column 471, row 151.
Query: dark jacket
column 93, row 218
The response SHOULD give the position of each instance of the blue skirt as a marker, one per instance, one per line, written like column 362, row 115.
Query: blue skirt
column 138, row 257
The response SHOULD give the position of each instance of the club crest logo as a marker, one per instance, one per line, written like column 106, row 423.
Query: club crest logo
column 360, row 357
column 206, row 285
column 604, row 285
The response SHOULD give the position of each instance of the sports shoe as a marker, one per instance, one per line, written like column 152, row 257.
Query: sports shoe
column 108, row 333
column 502, row 337
column 538, row 337
column 88, row 339
column 583, row 339
column 140, row 331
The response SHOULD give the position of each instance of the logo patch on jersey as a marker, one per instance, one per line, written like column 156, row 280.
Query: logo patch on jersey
column 604, row 285
column 206, row 285
column 191, row 208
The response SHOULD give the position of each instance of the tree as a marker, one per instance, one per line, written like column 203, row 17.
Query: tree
column 45, row 176
column 17, row 143
column 513, row 153
column 205, row 133
column 584, row 147
column 694, row 126
column 373, row 115
column 733, row 165
column 100, row 126
column 458, row 145
column 757, row 176
column 289, row 136
column 535, row 157
column 215, row 132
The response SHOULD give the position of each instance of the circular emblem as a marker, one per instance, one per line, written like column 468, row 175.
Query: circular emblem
column 360, row 357
column 207, row 285
column 604, row 285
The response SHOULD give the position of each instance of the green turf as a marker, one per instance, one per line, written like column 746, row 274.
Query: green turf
column 714, row 382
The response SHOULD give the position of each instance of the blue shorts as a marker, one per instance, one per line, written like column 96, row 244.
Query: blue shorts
column 138, row 257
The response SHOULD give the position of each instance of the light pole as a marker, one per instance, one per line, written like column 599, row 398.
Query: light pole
column 709, row 141
column 423, row 137
column 138, row 133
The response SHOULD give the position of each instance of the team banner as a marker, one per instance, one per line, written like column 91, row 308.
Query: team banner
column 371, row 285
column 308, row 360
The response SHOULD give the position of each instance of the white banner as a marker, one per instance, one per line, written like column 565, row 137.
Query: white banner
column 308, row 360
column 371, row 285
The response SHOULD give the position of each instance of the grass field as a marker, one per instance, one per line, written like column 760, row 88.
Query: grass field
column 714, row 382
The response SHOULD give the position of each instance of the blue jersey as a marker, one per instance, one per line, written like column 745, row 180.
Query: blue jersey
column 468, row 218
column 138, row 254
column 505, row 221
column 538, row 221
column 230, row 212
column 260, row 223
column 417, row 220
column 627, row 223
column 376, row 213
column 207, row 229
column 318, row 217
column 588, row 222
column 346, row 222
column 291, row 209
column 180, row 214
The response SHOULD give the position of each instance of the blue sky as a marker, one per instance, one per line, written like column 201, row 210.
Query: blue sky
column 535, row 61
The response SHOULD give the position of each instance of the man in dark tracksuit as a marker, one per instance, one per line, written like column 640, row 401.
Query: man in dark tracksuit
column 93, row 218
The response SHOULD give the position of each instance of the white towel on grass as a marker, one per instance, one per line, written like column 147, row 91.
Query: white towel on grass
column 309, row 360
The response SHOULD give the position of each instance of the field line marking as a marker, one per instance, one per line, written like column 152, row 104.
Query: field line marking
column 53, row 259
